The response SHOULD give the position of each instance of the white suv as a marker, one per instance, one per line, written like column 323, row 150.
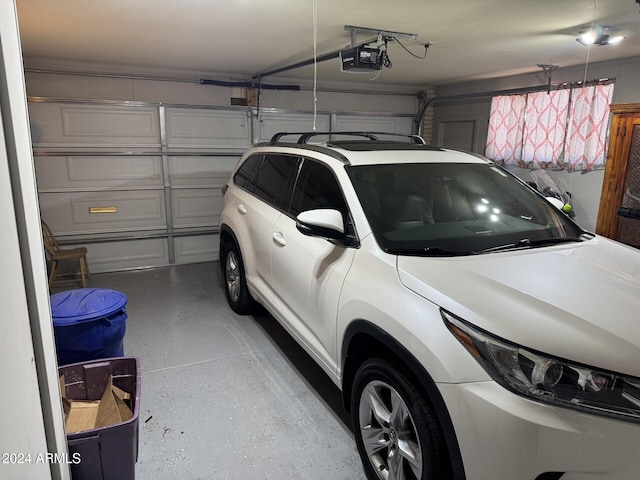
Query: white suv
column 475, row 330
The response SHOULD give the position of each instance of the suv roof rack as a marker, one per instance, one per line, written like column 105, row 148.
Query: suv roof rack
column 373, row 136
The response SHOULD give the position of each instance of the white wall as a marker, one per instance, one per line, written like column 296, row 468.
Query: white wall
column 77, row 86
column 23, row 430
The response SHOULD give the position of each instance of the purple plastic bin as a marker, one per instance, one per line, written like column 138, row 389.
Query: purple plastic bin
column 106, row 453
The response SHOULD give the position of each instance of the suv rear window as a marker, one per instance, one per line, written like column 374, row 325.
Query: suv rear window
column 245, row 176
column 274, row 181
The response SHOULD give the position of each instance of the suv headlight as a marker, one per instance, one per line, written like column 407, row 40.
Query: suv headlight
column 548, row 379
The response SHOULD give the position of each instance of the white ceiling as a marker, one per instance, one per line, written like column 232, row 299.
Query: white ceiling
column 231, row 39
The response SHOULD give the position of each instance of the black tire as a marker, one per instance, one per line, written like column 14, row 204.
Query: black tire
column 235, row 281
column 405, row 438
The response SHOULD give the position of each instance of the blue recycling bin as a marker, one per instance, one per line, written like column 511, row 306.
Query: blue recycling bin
column 88, row 324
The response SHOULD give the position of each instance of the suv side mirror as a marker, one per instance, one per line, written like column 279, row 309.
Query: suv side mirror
column 322, row 222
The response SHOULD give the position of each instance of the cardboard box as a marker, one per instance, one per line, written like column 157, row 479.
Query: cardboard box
column 111, row 409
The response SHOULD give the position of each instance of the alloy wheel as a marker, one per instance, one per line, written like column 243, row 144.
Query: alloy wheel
column 389, row 434
column 232, row 276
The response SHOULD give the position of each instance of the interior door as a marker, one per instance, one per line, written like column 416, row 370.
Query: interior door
column 458, row 134
column 621, row 187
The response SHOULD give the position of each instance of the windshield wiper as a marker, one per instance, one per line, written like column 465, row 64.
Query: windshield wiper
column 528, row 243
column 427, row 252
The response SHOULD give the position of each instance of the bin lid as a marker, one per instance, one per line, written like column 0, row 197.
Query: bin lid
column 85, row 304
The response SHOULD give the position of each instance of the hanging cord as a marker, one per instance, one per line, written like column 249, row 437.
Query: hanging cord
column 383, row 59
column 315, row 62
column 376, row 77
column 386, row 61
column 258, row 111
column 584, row 84
column 586, row 63
column 426, row 48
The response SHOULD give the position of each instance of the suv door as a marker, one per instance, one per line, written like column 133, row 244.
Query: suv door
column 308, row 272
column 262, row 197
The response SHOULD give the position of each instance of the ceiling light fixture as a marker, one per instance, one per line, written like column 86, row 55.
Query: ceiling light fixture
column 598, row 36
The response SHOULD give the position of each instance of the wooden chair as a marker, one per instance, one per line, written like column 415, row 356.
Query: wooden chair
column 56, row 254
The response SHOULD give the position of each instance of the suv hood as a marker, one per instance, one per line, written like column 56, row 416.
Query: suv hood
column 580, row 301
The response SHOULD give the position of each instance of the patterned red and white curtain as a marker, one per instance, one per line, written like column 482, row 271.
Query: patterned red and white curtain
column 506, row 122
column 564, row 128
column 544, row 131
column 587, row 129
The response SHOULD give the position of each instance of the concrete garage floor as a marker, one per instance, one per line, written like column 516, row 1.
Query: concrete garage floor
column 225, row 396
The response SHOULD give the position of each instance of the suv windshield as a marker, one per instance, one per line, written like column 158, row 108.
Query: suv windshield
column 455, row 209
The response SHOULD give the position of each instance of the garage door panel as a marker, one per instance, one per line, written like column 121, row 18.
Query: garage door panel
column 198, row 128
column 81, row 172
column 121, row 255
column 64, row 125
column 197, row 248
column 371, row 123
column 196, row 207
column 274, row 122
column 83, row 212
column 210, row 171
column 152, row 173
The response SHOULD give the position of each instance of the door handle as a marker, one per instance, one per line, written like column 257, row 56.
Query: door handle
column 279, row 238
column 242, row 209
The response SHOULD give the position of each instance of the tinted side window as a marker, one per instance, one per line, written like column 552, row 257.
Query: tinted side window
column 316, row 187
column 245, row 176
column 274, row 181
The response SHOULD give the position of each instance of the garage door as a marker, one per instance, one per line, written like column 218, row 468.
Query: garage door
column 139, row 184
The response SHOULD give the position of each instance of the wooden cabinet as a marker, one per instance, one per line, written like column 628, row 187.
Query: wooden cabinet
column 621, row 186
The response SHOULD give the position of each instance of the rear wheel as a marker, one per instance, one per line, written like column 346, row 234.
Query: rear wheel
column 236, row 290
column 396, row 429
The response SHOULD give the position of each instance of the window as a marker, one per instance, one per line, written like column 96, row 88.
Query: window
column 276, row 176
column 316, row 187
column 564, row 128
column 587, row 129
column 544, row 129
column 245, row 176
column 454, row 209
column 506, row 124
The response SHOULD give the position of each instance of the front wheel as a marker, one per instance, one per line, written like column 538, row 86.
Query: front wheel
column 396, row 429
column 236, row 290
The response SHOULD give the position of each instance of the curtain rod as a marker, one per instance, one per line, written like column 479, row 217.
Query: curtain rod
column 495, row 93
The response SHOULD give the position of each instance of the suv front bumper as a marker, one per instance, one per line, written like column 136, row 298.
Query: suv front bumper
column 503, row 436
